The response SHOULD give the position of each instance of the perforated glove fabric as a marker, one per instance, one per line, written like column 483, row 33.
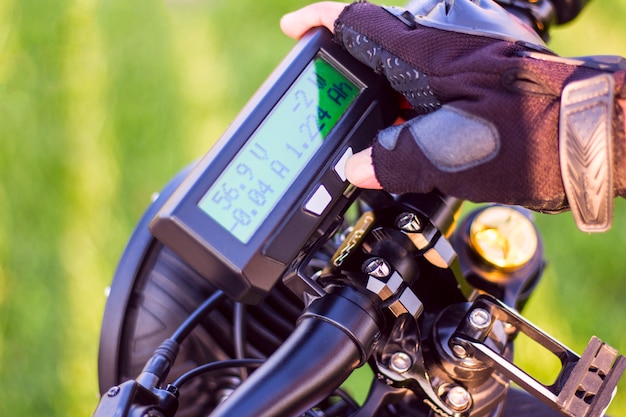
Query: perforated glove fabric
column 487, row 110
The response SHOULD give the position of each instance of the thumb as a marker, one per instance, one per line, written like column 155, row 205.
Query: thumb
column 360, row 170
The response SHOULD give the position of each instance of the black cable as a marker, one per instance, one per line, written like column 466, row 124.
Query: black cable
column 239, row 331
column 158, row 366
column 214, row 366
column 192, row 321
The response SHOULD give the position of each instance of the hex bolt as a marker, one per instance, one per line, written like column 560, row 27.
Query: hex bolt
column 400, row 362
column 377, row 267
column 480, row 318
column 459, row 351
column 458, row 398
column 409, row 222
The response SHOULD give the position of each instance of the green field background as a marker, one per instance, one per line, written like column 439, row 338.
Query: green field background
column 102, row 102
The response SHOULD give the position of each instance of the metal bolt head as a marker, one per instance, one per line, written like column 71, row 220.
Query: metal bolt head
column 480, row 318
column 400, row 362
column 459, row 399
column 113, row 391
column 409, row 222
column 459, row 351
column 377, row 267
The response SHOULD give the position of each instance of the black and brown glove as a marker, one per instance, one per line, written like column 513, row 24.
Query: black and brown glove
column 488, row 112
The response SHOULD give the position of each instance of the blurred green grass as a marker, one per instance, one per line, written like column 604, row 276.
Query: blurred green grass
column 102, row 102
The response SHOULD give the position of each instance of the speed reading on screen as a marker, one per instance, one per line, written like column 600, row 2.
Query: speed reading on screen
column 268, row 164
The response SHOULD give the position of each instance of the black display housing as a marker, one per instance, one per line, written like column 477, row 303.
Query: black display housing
column 247, row 271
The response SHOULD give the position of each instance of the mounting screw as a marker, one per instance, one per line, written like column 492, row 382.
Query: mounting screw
column 113, row 391
column 458, row 398
column 400, row 362
column 480, row 318
column 377, row 267
column 409, row 222
column 459, row 351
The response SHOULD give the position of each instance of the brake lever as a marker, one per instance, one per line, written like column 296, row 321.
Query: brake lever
column 585, row 384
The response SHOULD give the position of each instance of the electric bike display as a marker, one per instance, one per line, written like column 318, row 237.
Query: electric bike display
column 260, row 280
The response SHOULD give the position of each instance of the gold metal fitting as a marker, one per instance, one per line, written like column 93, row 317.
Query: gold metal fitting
column 503, row 237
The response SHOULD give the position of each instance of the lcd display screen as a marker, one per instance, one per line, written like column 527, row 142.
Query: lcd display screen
column 258, row 176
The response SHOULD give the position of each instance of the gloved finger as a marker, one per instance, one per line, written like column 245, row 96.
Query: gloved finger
column 463, row 155
column 403, row 77
column 325, row 13
column 360, row 170
column 443, row 149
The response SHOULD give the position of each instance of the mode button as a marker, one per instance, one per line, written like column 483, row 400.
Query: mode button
column 318, row 201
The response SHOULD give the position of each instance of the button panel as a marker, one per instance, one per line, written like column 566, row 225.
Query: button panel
column 318, row 202
column 340, row 166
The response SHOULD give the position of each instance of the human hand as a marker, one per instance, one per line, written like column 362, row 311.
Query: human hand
column 324, row 13
column 359, row 168
column 487, row 110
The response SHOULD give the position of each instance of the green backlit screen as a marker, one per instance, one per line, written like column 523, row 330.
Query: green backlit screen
column 270, row 161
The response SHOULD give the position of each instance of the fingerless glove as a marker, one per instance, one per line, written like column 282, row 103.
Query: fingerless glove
column 487, row 109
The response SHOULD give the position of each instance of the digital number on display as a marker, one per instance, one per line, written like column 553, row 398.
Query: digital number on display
column 261, row 172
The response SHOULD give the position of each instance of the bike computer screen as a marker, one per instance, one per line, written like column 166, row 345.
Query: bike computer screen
column 277, row 152
column 275, row 180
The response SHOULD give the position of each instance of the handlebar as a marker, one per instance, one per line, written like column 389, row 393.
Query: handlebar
column 333, row 337
column 395, row 295
column 430, row 311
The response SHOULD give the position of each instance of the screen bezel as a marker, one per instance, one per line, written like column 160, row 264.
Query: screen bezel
column 213, row 236
column 277, row 115
column 248, row 272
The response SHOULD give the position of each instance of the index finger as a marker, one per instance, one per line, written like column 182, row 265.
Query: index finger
column 325, row 13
